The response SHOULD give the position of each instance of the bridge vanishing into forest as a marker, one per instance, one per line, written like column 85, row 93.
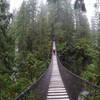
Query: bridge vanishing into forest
column 58, row 83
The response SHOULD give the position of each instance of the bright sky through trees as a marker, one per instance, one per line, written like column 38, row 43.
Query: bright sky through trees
column 89, row 7
column 15, row 4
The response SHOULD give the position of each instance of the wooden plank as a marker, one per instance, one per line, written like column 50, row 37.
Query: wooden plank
column 60, row 93
column 57, row 97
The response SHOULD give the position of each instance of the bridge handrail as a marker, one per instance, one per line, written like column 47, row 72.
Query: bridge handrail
column 77, row 76
column 33, row 85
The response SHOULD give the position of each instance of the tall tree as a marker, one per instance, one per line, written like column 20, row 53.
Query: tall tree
column 5, row 40
column 7, row 50
column 79, row 4
column 32, row 38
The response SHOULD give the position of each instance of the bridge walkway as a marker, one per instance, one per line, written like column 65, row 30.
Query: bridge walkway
column 56, row 88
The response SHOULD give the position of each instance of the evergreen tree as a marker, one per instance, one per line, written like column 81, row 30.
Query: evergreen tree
column 6, row 41
column 7, row 50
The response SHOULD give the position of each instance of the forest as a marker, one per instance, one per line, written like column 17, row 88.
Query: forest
column 26, row 39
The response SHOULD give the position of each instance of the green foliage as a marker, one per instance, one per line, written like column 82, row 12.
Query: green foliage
column 31, row 67
column 77, row 56
column 11, row 88
column 92, row 73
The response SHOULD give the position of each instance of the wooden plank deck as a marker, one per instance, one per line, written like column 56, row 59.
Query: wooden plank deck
column 56, row 90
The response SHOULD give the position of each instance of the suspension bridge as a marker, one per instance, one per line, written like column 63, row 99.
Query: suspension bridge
column 58, row 83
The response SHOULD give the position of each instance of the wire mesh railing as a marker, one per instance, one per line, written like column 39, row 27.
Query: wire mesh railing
column 38, row 90
column 77, row 87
